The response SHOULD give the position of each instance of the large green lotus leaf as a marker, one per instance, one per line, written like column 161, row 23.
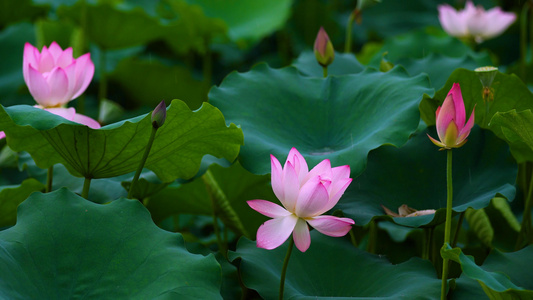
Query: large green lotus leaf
column 516, row 128
column 112, row 26
column 149, row 81
column 12, row 196
column 415, row 174
column 340, row 118
column 344, row 63
column 117, row 148
column 65, row 245
column 12, row 40
column 334, row 268
column 16, row 11
column 502, row 275
column 235, row 184
column 437, row 66
column 248, row 21
column 509, row 93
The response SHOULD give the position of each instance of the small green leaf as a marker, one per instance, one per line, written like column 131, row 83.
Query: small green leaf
column 116, row 149
column 516, row 128
column 12, row 196
column 479, row 222
column 65, row 245
column 502, row 275
column 502, row 206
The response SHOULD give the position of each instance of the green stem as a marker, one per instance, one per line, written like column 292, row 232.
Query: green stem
column 427, row 243
column 284, row 269
column 525, row 228
column 143, row 161
column 207, row 65
column 221, row 247
column 348, row 40
column 448, row 226
column 325, row 71
column 352, row 237
column 102, row 88
column 431, row 255
column 86, row 186
column 459, row 225
column 49, row 179
column 523, row 40
column 372, row 236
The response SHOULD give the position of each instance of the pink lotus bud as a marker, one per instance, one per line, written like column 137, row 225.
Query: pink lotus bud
column 159, row 115
column 474, row 22
column 324, row 51
column 53, row 76
column 451, row 117
column 305, row 196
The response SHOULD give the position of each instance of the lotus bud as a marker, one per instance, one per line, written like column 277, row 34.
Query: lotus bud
column 159, row 115
column 324, row 51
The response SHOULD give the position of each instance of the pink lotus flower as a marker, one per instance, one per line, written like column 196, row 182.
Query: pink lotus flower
column 305, row 196
column 450, row 119
column 53, row 76
column 474, row 22
column 323, row 48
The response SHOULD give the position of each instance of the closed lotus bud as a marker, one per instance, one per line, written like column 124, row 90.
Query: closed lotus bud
column 159, row 115
column 324, row 51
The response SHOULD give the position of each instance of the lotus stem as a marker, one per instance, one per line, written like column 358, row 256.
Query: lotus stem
column 525, row 228
column 143, row 161
column 325, row 71
column 86, row 186
column 49, row 179
column 348, row 40
column 448, row 225
column 284, row 269
column 523, row 39
column 102, row 87
column 459, row 225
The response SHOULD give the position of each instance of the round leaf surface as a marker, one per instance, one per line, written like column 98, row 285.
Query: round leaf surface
column 340, row 118
column 65, row 245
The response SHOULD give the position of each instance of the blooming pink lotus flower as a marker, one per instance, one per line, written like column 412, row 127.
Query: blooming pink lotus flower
column 451, row 118
column 474, row 22
column 53, row 76
column 305, row 196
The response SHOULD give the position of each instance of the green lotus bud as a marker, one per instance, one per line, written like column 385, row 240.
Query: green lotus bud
column 324, row 51
column 159, row 115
